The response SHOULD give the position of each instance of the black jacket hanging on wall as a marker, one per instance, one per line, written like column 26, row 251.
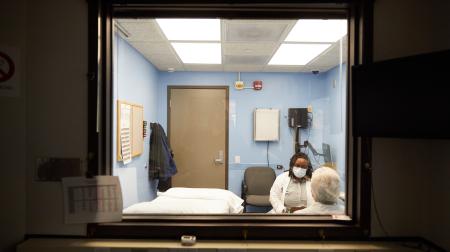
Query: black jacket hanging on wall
column 161, row 163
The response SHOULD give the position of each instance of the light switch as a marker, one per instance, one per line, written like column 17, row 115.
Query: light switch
column 237, row 159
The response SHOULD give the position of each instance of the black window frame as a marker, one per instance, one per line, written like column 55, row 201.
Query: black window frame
column 101, row 13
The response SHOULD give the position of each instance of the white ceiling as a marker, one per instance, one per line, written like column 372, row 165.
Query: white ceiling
column 247, row 46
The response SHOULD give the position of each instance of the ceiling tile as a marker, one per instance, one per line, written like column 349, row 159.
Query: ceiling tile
column 149, row 48
column 134, row 20
column 257, row 30
column 247, row 46
column 254, row 48
column 206, row 68
column 165, row 68
column 164, row 60
column 275, row 68
column 246, row 59
column 143, row 31
column 243, row 68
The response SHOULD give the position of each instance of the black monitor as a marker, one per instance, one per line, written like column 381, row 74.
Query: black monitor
column 405, row 97
column 298, row 117
column 326, row 153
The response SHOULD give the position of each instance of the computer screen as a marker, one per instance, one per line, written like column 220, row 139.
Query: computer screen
column 408, row 95
column 326, row 152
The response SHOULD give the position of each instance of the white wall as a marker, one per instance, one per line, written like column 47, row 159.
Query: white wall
column 56, row 103
column 12, row 132
column 410, row 176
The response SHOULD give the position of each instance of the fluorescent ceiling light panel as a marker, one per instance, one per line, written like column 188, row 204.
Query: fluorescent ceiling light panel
column 318, row 30
column 190, row 29
column 199, row 53
column 297, row 54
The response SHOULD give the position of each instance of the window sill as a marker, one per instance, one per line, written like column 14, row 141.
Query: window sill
column 250, row 226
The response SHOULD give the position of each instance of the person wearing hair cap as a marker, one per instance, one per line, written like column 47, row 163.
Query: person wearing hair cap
column 291, row 190
column 325, row 184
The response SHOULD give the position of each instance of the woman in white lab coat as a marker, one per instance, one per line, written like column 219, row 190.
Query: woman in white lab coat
column 291, row 190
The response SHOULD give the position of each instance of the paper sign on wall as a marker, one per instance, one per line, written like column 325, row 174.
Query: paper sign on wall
column 90, row 200
column 125, row 132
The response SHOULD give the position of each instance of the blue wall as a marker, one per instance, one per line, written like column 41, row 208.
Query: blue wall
column 136, row 81
column 281, row 91
column 335, row 81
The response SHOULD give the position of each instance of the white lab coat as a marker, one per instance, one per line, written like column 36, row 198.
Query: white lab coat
column 278, row 193
column 322, row 209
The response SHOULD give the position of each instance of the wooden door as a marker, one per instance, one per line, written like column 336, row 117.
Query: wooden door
column 198, row 135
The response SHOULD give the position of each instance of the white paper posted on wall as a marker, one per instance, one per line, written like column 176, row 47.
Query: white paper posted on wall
column 125, row 132
column 90, row 200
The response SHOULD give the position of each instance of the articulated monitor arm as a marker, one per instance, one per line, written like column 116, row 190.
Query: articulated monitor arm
column 306, row 144
column 314, row 151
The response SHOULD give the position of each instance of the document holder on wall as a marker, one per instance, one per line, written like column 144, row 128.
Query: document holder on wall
column 130, row 130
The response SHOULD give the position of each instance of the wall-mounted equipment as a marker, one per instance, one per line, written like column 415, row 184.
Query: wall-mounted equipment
column 240, row 85
column 266, row 124
column 130, row 129
column 257, row 84
column 298, row 117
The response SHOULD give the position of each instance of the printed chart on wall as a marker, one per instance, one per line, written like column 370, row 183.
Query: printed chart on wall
column 97, row 199
column 125, row 132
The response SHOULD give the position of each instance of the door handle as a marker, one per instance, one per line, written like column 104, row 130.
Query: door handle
column 219, row 159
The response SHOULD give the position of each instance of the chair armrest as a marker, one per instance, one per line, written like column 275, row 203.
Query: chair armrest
column 244, row 189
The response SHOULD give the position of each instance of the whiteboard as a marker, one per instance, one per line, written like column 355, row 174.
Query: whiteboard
column 266, row 124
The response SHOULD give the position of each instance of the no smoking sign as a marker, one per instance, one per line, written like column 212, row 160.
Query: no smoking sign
column 7, row 67
column 9, row 71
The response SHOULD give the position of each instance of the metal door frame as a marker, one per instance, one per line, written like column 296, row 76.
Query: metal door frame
column 359, row 13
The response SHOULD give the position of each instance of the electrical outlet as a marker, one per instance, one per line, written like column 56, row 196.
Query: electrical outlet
column 309, row 108
column 237, row 159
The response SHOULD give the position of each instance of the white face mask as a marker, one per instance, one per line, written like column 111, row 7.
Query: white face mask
column 299, row 172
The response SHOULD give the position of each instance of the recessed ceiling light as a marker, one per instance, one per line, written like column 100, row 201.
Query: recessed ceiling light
column 190, row 29
column 318, row 30
column 199, row 53
column 297, row 54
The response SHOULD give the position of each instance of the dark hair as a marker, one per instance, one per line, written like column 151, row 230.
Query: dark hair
column 294, row 159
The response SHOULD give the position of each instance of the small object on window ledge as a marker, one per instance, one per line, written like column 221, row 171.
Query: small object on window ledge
column 188, row 240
